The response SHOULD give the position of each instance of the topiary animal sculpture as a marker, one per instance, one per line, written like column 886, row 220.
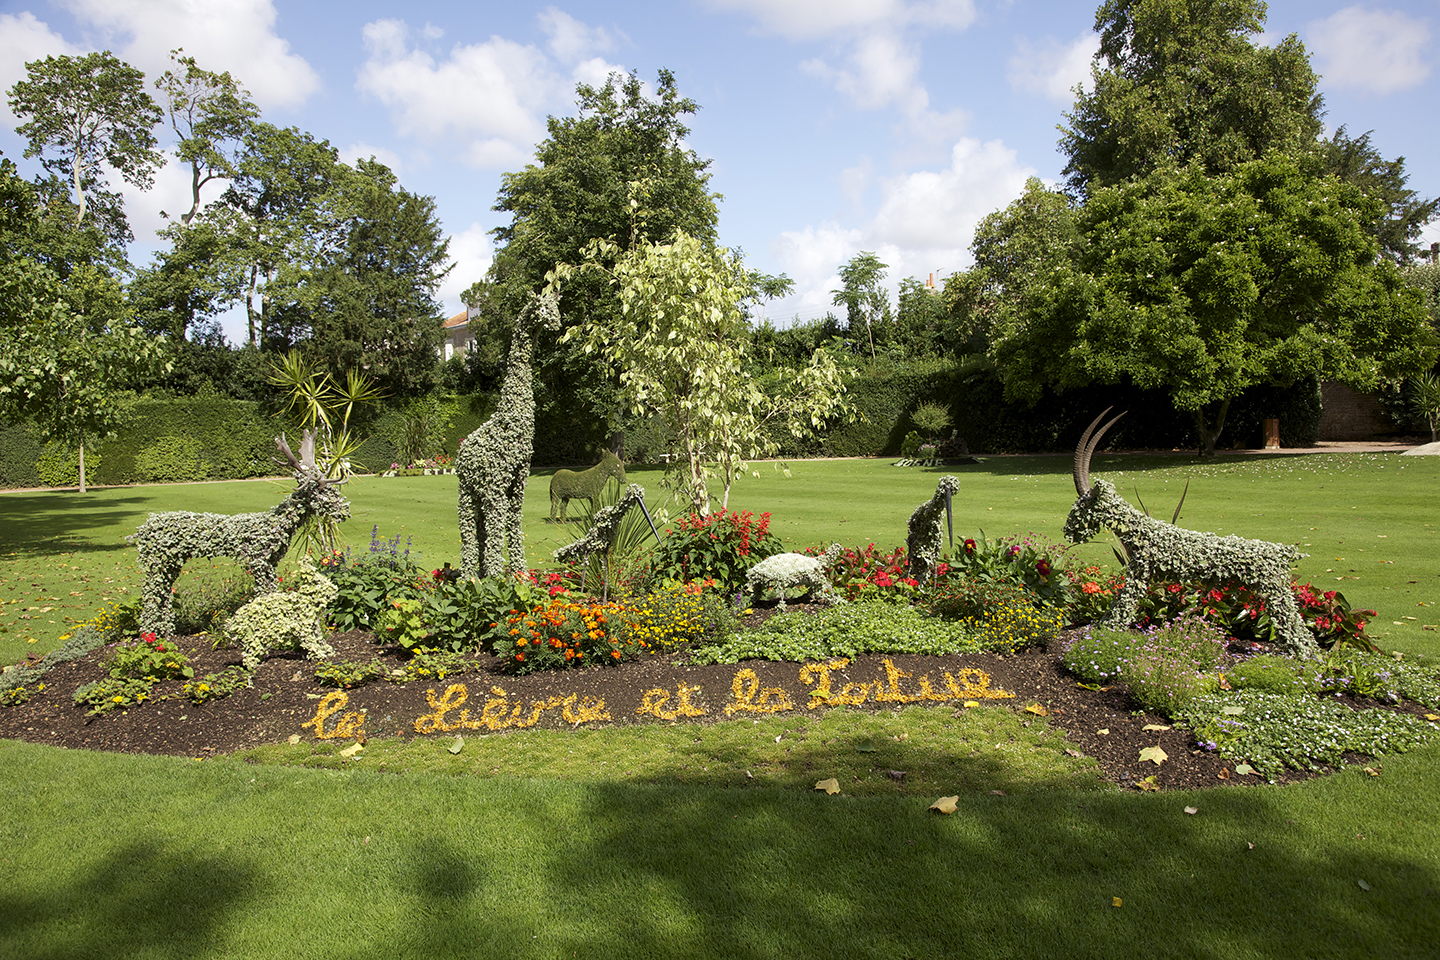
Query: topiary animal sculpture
column 786, row 570
column 922, row 545
column 567, row 485
column 293, row 620
column 1159, row 551
column 259, row 541
column 494, row 461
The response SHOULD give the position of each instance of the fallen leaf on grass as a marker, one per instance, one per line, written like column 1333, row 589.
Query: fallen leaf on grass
column 353, row 749
column 1000, row 793
column 457, row 746
column 831, row 786
column 1154, row 754
column 971, row 704
column 946, row 805
column 1038, row 710
column 1116, row 902
column 1374, row 771
column 896, row 775
column 293, row 739
column 1103, row 731
column 1155, row 726
column 1074, row 753
column 1192, row 810
column 1363, row 884
column 1249, row 845
column 1148, row 784
column 1432, row 717
column 866, row 746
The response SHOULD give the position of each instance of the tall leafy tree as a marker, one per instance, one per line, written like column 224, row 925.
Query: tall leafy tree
column 862, row 294
column 618, row 171
column 1203, row 285
column 211, row 115
column 83, row 114
column 1182, row 82
column 68, row 349
column 1401, row 212
column 680, row 342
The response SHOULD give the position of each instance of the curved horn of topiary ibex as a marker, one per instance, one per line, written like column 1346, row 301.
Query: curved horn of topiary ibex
column 259, row 541
column 1159, row 552
column 567, row 485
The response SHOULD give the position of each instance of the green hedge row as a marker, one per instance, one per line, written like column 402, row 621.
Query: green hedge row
column 217, row 438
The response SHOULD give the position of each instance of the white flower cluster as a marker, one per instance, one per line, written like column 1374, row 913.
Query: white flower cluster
column 785, row 571
column 292, row 620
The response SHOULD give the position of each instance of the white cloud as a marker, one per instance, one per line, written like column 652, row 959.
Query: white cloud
column 471, row 252
column 170, row 194
column 486, row 102
column 486, row 99
column 234, row 35
column 570, row 40
column 1052, row 68
column 809, row 19
column 1372, row 50
column 364, row 151
column 24, row 39
column 883, row 70
column 924, row 221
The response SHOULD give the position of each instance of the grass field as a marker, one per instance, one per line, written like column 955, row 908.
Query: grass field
column 161, row 857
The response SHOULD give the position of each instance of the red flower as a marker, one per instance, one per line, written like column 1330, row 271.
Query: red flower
column 969, row 547
column 1043, row 568
column 519, row 656
column 1329, row 594
column 942, row 569
column 1174, row 588
column 1216, row 596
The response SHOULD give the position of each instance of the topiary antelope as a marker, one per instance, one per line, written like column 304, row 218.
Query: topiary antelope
column 1159, row 551
column 166, row 541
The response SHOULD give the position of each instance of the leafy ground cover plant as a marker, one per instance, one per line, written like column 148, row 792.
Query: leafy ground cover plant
column 1272, row 732
column 429, row 663
column 719, row 547
column 349, row 674
column 1269, row 673
column 214, row 686
column 1360, row 674
column 845, row 631
column 1164, row 666
column 367, row 583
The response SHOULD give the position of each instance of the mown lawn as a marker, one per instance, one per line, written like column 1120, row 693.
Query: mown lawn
column 161, row 857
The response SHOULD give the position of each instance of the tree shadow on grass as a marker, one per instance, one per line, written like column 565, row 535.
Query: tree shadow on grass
column 43, row 524
column 141, row 900
column 775, row 874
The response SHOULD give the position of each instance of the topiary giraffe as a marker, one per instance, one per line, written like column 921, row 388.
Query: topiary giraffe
column 494, row 461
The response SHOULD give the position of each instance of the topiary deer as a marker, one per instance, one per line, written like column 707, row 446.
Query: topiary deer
column 259, row 541
column 1157, row 552
column 567, row 485
column 922, row 545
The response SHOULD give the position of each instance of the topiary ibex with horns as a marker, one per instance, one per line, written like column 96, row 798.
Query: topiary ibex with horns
column 1159, row 551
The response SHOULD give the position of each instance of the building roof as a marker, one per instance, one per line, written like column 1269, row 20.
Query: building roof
column 459, row 320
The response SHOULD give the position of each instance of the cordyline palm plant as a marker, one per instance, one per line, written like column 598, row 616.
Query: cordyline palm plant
column 322, row 404
column 619, row 570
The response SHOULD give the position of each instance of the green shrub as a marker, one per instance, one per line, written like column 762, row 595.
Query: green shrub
column 59, row 465
column 1100, row 656
column 19, row 453
column 847, row 631
column 215, row 686
column 150, row 658
column 954, row 599
column 171, row 460
column 428, row 663
column 721, row 547
column 346, row 674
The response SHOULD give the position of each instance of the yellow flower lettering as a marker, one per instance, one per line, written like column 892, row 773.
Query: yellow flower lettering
column 744, row 688
column 455, row 695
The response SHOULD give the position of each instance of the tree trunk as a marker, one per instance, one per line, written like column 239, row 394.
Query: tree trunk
column 1209, row 435
column 82, row 463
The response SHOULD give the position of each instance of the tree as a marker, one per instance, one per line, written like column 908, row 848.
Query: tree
column 84, row 112
column 923, row 326
column 864, row 299
column 618, row 171
column 1180, row 81
column 680, row 342
column 211, row 115
column 67, row 349
column 1205, row 285
column 1401, row 211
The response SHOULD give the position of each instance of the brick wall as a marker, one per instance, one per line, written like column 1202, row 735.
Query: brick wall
column 1349, row 415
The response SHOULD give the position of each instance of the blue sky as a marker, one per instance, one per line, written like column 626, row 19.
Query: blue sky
column 834, row 126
